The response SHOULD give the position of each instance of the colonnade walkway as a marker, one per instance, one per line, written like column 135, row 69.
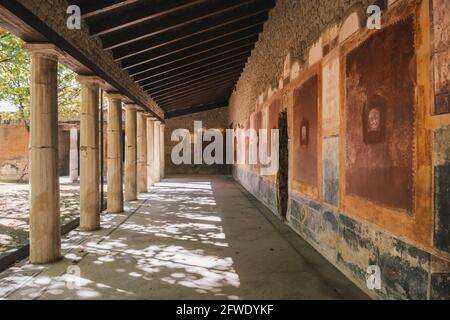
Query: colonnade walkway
column 189, row 237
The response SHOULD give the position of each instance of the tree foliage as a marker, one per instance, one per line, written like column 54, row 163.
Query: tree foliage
column 15, row 72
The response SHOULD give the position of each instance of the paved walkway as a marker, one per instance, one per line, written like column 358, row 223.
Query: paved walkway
column 15, row 210
column 188, row 238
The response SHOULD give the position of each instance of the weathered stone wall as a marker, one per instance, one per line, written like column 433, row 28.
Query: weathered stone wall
column 306, row 38
column 213, row 119
column 292, row 28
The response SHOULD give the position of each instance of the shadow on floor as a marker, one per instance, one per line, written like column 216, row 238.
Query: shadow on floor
column 188, row 238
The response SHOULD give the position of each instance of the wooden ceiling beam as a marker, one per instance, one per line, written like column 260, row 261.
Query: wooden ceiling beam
column 169, row 22
column 181, row 87
column 197, row 34
column 190, row 60
column 140, row 12
column 206, row 70
column 90, row 8
column 176, row 93
column 196, row 100
column 198, row 67
column 210, row 87
column 199, row 99
column 193, row 78
column 247, row 36
column 200, row 108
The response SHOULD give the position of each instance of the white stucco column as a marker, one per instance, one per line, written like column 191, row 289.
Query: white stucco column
column 130, row 153
column 115, row 167
column 142, row 151
column 150, row 151
column 156, row 151
column 73, row 155
column 45, row 223
column 89, row 153
column 161, row 151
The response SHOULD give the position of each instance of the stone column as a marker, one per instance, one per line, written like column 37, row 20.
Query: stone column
column 156, row 150
column 130, row 153
column 161, row 150
column 115, row 184
column 45, row 228
column 89, row 153
column 142, row 152
column 150, row 151
column 73, row 155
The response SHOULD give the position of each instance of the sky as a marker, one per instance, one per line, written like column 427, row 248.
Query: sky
column 5, row 106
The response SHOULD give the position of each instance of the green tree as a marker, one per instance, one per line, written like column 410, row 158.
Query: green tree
column 14, row 76
column 15, row 82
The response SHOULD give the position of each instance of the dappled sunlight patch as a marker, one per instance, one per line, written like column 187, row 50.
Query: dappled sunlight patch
column 15, row 208
column 185, row 185
column 141, row 255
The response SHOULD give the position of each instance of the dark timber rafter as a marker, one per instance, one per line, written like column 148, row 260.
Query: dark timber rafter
column 139, row 13
column 195, row 100
column 193, row 78
column 200, row 71
column 181, row 52
column 202, row 51
column 172, row 21
column 173, row 67
column 195, row 109
column 197, row 67
column 202, row 45
column 184, row 87
column 210, row 84
column 199, row 93
column 92, row 8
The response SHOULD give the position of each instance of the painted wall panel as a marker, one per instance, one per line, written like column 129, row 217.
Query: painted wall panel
column 305, row 130
column 379, row 113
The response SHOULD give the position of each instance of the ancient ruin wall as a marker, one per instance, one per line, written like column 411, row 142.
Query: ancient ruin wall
column 355, row 230
column 212, row 119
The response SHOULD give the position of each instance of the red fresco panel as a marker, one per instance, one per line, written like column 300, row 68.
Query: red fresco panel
column 305, row 132
column 379, row 113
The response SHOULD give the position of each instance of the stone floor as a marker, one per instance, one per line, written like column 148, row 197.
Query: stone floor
column 14, row 210
column 188, row 238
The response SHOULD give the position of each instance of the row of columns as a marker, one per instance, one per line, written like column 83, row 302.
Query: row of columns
column 144, row 156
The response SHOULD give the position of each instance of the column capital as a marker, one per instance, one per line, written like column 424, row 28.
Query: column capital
column 91, row 81
column 131, row 106
column 114, row 96
column 162, row 125
column 49, row 50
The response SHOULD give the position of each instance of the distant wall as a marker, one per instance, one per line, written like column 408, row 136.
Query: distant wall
column 213, row 119
column 14, row 160
column 13, row 152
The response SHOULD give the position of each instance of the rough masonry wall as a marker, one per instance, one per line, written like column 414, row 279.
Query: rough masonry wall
column 292, row 28
column 213, row 119
column 355, row 230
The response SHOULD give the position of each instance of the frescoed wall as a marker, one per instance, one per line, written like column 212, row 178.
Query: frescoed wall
column 368, row 136
column 379, row 114
column 305, row 133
